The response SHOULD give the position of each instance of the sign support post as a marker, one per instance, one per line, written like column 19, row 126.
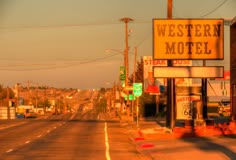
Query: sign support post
column 170, row 119
column 204, row 95
column 138, row 87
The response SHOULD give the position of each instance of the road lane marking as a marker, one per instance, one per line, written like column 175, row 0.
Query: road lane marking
column 9, row 150
column 27, row 142
column 12, row 125
column 106, row 143
column 39, row 136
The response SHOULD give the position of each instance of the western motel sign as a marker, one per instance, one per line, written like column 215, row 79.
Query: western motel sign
column 188, row 39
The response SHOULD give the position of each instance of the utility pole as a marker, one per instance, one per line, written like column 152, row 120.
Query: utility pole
column 126, row 57
column 29, row 92
column 8, row 106
column 36, row 98
column 18, row 94
column 134, row 78
column 45, row 100
column 135, row 61
column 170, row 117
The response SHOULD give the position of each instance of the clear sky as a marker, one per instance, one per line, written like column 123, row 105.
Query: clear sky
column 62, row 43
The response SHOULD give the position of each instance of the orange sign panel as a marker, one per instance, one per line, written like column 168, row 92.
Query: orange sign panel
column 188, row 39
column 189, row 72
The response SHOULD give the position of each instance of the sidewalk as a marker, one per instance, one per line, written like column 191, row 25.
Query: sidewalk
column 154, row 140
column 154, row 128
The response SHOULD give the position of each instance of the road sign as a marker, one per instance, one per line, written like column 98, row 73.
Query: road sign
column 122, row 73
column 131, row 97
column 138, row 87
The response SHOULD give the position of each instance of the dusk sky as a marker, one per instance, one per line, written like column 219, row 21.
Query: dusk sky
column 62, row 43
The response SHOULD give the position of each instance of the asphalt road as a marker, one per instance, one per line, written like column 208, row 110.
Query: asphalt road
column 65, row 137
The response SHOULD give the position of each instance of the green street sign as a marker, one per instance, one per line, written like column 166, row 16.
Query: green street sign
column 137, row 89
column 130, row 97
column 122, row 73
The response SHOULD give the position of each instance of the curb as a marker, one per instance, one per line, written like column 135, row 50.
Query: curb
column 187, row 131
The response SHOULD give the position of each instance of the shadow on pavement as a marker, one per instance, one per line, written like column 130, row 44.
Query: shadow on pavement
column 208, row 145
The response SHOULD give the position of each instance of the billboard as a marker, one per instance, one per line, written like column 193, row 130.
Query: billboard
column 188, row 39
column 153, row 84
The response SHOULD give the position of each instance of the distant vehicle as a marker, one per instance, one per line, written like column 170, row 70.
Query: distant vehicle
column 29, row 113
column 26, row 111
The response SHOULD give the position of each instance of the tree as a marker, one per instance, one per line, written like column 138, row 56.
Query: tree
column 138, row 73
column 145, row 99
column 6, row 93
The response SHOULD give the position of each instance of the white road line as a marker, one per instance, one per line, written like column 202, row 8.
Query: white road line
column 27, row 142
column 9, row 150
column 39, row 136
column 12, row 125
column 106, row 143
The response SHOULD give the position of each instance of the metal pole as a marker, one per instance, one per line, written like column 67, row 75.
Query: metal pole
column 134, row 76
column 137, row 110
column 170, row 118
column 204, row 95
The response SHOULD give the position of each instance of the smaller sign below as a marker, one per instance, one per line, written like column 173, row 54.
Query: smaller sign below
column 138, row 87
column 189, row 72
column 131, row 97
column 184, row 106
column 122, row 73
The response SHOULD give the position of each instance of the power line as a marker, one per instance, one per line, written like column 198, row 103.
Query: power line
column 145, row 38
column 140, row 43
column 53, row 66
column 59, row 26
column 214, row 9
column 66, row 25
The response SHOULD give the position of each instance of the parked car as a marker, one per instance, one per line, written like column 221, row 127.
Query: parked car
column 224, row 106
column 30, row 114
